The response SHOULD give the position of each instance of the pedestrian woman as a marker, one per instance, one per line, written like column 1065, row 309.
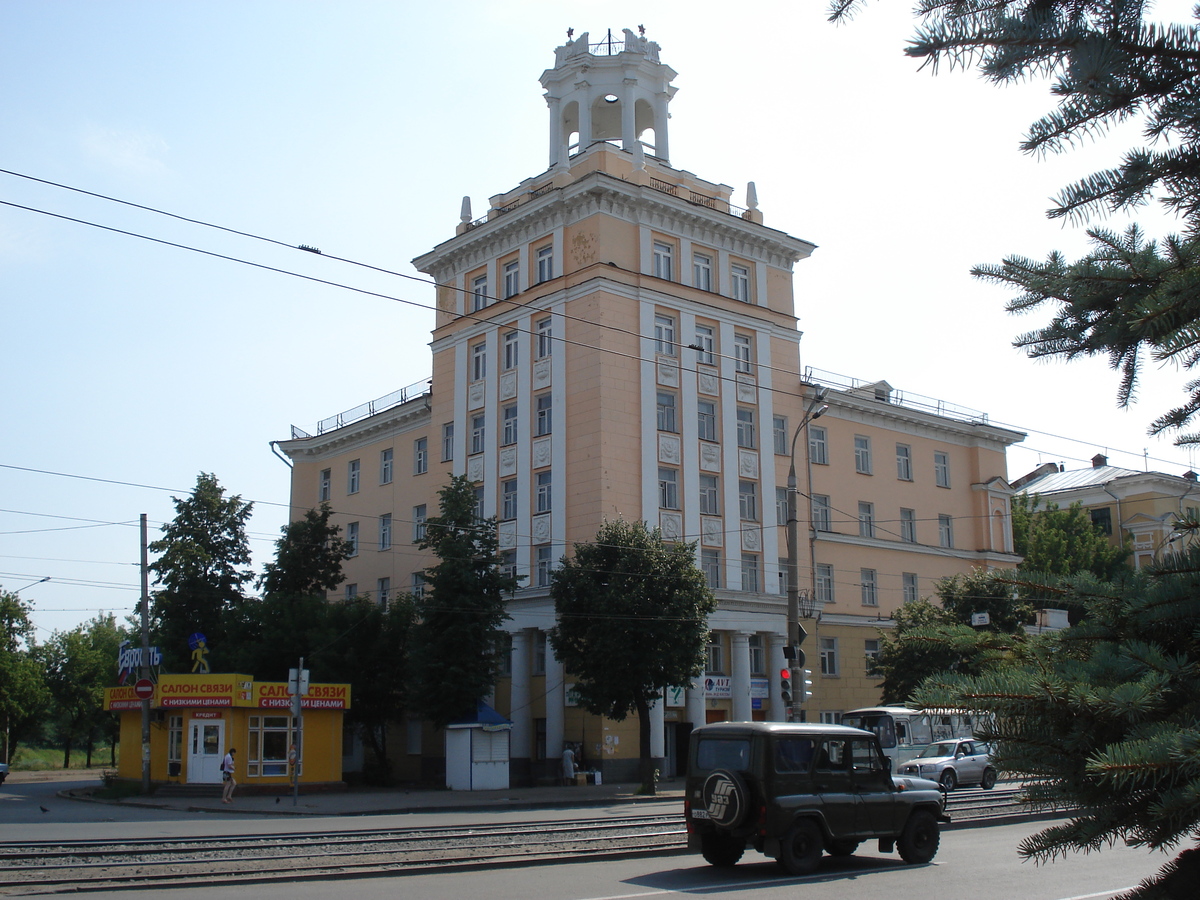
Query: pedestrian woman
column 227, row 767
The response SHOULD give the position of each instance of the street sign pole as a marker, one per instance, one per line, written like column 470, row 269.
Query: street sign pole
column 144, row 668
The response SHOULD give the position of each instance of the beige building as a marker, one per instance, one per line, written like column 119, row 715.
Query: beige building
column 1143, row 507
column 615, row 338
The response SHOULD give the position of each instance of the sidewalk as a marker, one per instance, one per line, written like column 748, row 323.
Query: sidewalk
column 363, row 801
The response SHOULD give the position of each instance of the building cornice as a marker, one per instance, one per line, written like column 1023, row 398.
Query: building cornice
column 407, row 416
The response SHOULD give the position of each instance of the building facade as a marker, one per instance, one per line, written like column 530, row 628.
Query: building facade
column 616, row 339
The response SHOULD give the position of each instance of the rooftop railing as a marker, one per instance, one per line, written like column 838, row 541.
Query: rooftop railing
column 363, row 410
column 875, row 390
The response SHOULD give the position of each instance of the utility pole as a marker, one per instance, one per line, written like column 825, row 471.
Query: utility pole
column 144, row 668
column 795, row 631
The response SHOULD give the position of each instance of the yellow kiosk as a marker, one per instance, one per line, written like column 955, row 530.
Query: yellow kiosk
column 195, row 719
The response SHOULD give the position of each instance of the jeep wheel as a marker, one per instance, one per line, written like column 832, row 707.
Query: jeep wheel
column 919, row 841
column 722, row 850
column 800, row 852
column 948, row 781
column 989, row 779
column 842, row 848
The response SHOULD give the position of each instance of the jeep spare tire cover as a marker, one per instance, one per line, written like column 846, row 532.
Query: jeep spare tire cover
column 725, row 798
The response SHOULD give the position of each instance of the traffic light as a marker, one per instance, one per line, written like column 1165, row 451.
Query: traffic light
column 794, row 655
column 785, row 686
column 805, row 686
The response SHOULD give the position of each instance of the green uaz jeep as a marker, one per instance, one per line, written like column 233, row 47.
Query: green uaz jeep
column 793, row 791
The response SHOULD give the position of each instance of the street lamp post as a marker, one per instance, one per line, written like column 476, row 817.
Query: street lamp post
column 816, row 408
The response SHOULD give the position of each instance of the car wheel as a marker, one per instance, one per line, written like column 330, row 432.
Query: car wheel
column 948, row 781
column 722, row 850
column 842, row 848
column 800, row 853
column 919, row 840
column 726, row 798
column 989, row 779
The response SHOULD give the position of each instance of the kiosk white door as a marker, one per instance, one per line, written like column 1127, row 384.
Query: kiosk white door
column 206, row 749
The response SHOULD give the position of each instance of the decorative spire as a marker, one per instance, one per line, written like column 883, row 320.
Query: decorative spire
column 751, row 195
column 465, row 214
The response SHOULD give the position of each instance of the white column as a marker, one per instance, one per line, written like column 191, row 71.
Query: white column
column 556, row 136
column 585, row 120
column 660, row 128
column 521, row 746
column 740, row 670
column 694, row 709
column 556, row 698
column 658, row 746
column 628, row 126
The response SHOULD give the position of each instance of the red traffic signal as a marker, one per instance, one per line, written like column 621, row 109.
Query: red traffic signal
column 785, row 673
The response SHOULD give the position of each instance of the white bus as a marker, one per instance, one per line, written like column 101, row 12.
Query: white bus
column 905, row 732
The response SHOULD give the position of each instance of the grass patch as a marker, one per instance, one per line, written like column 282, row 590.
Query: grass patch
column 41, row 759
column 115, row 789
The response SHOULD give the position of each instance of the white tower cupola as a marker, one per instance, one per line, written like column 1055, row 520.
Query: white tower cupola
column 614, row 90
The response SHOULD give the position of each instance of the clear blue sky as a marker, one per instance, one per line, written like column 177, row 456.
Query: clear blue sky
column 357, row 127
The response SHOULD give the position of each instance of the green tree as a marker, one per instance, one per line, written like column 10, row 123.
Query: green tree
column 1129, row 299
column 79, row 664
column 1056, row 541
column 201, row 567
column 1104, row 718
column 631, row 618
column 455, row 658
column 24, row 696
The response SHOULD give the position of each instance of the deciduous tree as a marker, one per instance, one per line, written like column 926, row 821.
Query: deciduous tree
column 631, row 618
column 24, row 696
column 201, row 571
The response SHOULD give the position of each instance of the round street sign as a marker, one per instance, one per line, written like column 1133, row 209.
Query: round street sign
column 143, row 688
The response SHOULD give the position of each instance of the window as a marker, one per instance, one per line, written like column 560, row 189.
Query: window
column 509, row 435
column 868, row 579
column 479, row 503
column 508, row 491
column 666, row 412
column 908, row 525
column 479, row 293
column 508, row 564
column 704, row 345
column 539, row 664
column 862, row 454
column 385, row 466
column 742, row 353
column 748, row 500
column 664, row 261
column 479, row 361
column 175, row 739
column 824, row 583
column 779, row 432
column 1102, row 519
column 545, row 412
column 871, row 652
column 269, row 739
column 783, row 575
column 945, row 531
column 478, row 430
column 941, row 469
column 745, row 428
column 822, row 518
column 715, row 655
column 385, row 531
column 448, row 442
column 664, row 335
column 758, row 655
column 418, row 520
column 511, row 350
column 417, row 584
column 420, row 456
column 544, row 563
column 781, row 506
column 352, row 538
column 668, row 489
column 739, row 283
column 829, row 657
column 818, row 445
column 544, row 497
column 709, row 496
column 710, row 565
column 866, row 520
column 324, row 486
column 706, row 420
column 545, row 337
column 545, row 263
column 831, row 717
column 702, row 271
column 353, row 472
column 351, row 591
column 383, row 590
column 512, row 279
column 912, row 592
column 750, row 573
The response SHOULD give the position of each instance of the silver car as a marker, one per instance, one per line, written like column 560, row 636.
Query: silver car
column 954, row 762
